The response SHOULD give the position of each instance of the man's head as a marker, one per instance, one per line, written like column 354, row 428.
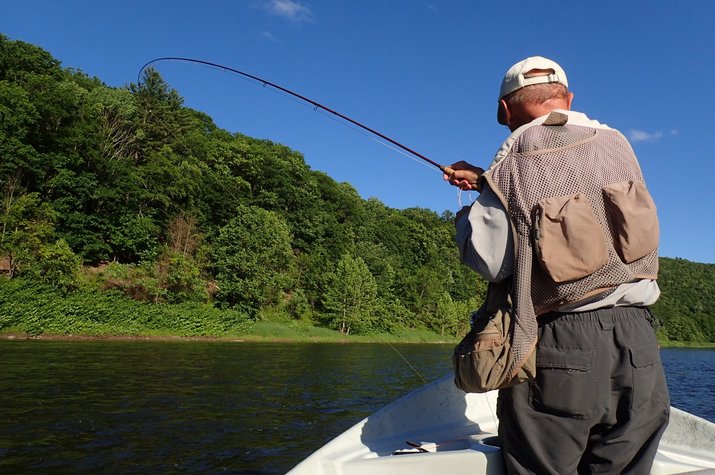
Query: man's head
column 532, row 88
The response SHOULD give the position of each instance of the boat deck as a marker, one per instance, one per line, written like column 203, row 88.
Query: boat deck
column 440, row 430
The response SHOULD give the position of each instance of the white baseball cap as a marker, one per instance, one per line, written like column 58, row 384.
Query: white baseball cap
column 517, row 77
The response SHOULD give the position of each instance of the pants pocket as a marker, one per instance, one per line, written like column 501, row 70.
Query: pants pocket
column 648, row 378
column 564, row 384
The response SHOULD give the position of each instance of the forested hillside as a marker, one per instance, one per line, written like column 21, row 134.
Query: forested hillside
column 686, row 308
column 126, row 189
column 126, row 192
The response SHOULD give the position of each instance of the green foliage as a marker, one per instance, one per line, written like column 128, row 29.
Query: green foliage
column 18, row 58
column 686, row 308
column 172, row 278
column 449, row 315
column 26, row 229
column 350, row 296
column 58, row 266
column 182, row 278
column 18, row 117
column 253, row 259
column 138, row 281
column 34, row 308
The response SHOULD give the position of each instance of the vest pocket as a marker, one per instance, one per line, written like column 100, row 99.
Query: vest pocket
column 569, row 241
column 634, row 219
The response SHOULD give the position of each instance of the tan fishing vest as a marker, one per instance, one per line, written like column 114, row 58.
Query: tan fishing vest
column 582, row 219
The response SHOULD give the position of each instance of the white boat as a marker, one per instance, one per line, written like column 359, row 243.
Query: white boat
column 440, row 430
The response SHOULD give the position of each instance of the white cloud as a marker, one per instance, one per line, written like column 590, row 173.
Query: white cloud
column 268, row 36
column 289, row 9
column 431, row 6
column 643, row 136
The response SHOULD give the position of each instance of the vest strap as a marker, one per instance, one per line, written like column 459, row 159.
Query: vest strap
column 556, row 118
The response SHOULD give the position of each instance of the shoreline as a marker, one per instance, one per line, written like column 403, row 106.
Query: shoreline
column 59, row 337
column 17, row 336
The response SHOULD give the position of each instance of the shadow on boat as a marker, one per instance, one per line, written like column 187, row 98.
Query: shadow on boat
column 434, row 420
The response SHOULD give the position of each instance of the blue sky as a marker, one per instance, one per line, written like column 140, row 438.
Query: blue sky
column 426, row 73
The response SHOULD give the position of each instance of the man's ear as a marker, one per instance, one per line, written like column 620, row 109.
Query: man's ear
column 569, row 100
column 503, row 113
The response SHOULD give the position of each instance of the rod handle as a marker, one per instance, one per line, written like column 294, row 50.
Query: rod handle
column 449, row 171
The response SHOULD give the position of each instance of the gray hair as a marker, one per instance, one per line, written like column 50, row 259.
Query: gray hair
column 536, row 94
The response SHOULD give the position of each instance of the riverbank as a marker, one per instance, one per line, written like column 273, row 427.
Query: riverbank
column 286, row 335
column 30, row 311
column 261, row 331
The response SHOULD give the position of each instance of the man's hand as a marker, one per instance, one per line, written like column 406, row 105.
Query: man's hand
column 463, row 175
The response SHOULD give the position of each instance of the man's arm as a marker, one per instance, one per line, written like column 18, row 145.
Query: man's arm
column 484, row 237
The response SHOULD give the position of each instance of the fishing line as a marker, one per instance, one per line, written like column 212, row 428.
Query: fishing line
column 408, row 363
column 317, row 106
column 459, row 197
column 373, row 138
column 492, row 411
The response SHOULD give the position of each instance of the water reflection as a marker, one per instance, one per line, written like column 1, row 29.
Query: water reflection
column 148, row 407
column 196, row 407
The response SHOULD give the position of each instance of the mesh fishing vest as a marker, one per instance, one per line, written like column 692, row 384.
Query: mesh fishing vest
column 582, row 219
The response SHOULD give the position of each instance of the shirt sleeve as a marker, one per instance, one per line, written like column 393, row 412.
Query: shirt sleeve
column 484, row 238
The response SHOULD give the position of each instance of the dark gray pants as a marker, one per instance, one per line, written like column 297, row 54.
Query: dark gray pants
column 599, row 403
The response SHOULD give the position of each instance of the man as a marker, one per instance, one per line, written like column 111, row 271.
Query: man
column 564, row 213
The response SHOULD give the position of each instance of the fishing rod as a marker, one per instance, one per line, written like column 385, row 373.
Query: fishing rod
column 444, row 169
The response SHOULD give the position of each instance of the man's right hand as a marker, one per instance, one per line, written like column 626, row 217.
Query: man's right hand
column 463, row 175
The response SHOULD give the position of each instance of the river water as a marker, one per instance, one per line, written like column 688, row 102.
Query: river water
column 206, row 407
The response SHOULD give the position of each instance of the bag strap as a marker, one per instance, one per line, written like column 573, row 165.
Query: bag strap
column 498, row 296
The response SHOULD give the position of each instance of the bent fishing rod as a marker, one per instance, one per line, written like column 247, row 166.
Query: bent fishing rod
column 444, row 169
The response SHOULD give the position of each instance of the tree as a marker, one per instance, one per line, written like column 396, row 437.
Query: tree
column 159, row 115
column 18, row 58
column 19, row 161
column 180, row 276
column 350, row 296
column 452, row 317
column 26, row 224
column 681, row 328
column 58, row 266
column 179, row 267
column 114, row 111
column 252, row 259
